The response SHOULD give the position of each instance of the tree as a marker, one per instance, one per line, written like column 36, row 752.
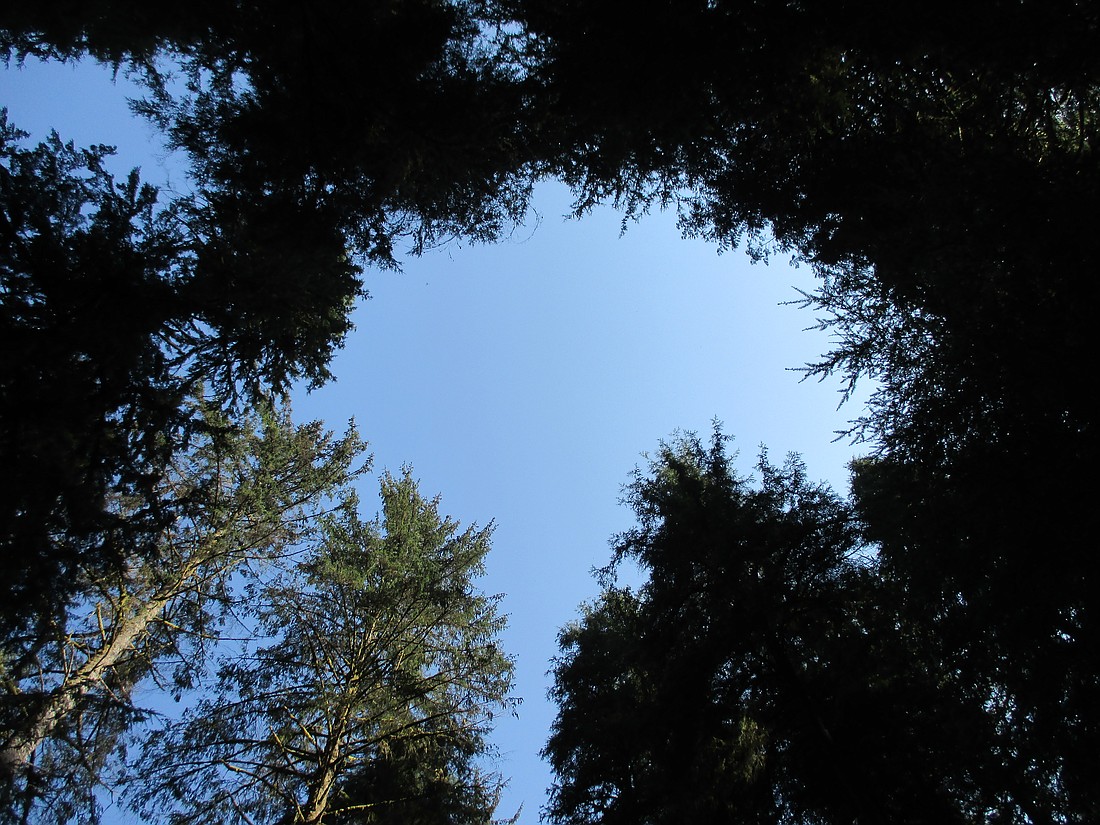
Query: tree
column 108, row 324
column 85, row 384
column 935, row 165
column 242, row 494
column 367, row 695
column 762, row 673
column 304, row 166
column 937, row 168
column 299, row 122
column 677, row 702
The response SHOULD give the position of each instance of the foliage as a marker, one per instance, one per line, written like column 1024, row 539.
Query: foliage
column 709, row 694
column 368, row 694
column 243, row 495
column 303, row 165
column 935, row 165
column 772, row 668
column 86, row 387
column 299, row 122
column 110, row 316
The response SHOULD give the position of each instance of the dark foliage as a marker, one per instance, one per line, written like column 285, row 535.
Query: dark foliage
column 114, row 307
column 317, row 138
column 379, row 122
column 714, row 693
column 770, row 670
column 89, row 398
column 935, row 164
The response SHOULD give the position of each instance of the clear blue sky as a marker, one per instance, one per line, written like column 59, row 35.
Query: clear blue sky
column 524, row 380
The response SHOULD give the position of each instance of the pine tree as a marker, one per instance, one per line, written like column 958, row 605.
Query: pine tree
column 242, row 495
column 366, row 695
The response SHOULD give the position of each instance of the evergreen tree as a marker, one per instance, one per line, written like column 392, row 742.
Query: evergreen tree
column 766, row 672
column 707, row 694
column 367, row 694
column 304, row 165
column 935, row 165
column 242, row 495
column 108, row 324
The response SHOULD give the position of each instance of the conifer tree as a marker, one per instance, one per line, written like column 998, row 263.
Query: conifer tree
column 367, row 693
column 242, row 495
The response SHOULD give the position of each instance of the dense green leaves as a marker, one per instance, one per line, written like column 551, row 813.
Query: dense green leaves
column 115, row 306
column 368, row 694
column 242, row 495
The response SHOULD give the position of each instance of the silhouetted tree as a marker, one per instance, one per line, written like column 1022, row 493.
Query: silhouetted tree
column 772, row 668
column 110, row 318
column 317, row 138
column 936, row 166
column 710, row 694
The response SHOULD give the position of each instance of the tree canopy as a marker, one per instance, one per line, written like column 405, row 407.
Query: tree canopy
column 367, row 694
column 303, row 166
column 242, row 495
column 697, row 697
column 112, row 317
column 935, row 165
column 770, row 669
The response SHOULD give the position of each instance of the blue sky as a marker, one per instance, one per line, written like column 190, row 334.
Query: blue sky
column 524, row 380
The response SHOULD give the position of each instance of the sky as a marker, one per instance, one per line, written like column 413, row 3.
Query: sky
column 524, row 381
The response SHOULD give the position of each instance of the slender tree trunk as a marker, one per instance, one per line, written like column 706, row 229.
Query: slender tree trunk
column 319, row 793
column 320, row 789
column 16, row 752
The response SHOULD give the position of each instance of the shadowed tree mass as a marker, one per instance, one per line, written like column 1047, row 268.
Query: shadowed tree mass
column 934, row 164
